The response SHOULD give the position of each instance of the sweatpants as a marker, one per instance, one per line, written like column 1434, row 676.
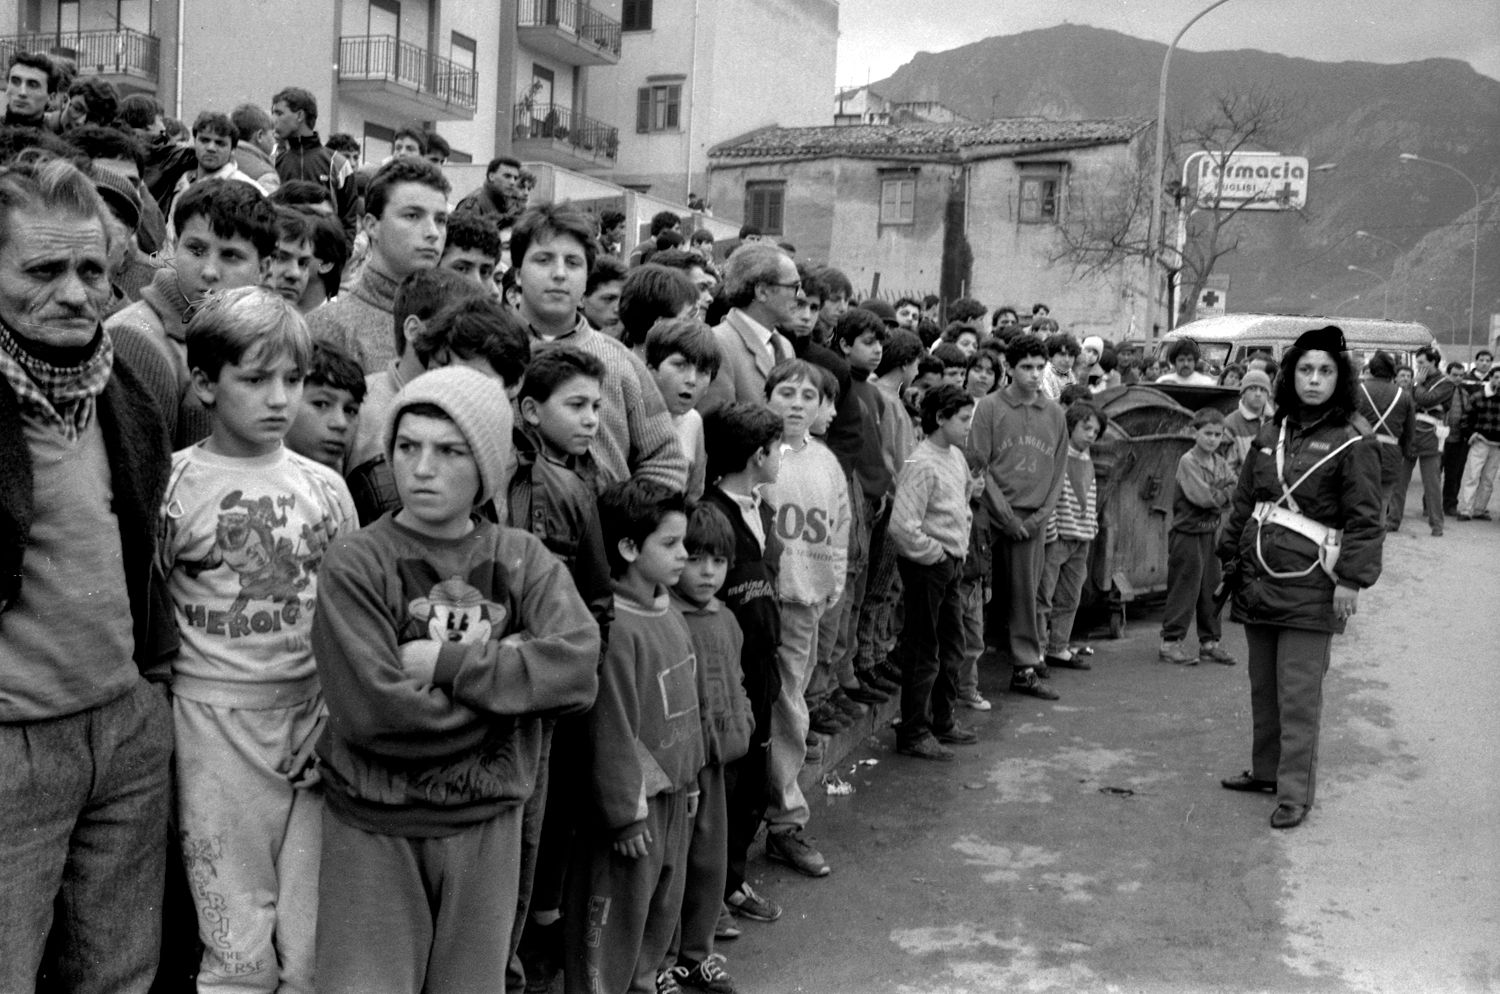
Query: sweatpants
column 406, row 915
column 703, row 890
column 83, row 833
column 250, row 842
column 1018, row 573
column 786, row 808
column 1065, row 567
column 622, row 912
column 1192, row 574
column 1286, row 703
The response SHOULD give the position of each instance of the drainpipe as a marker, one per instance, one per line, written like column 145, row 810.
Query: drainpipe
column 177, row 94
column 693, row 106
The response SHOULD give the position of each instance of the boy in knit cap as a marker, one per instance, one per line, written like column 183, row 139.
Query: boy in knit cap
column 443, row 639
column 1254, row 411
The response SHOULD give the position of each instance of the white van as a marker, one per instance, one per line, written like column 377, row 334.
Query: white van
column 1236, row 337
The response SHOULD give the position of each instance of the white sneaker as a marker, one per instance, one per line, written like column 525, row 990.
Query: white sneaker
column 975, row 701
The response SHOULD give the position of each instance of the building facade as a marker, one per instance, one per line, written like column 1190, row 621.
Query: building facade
column 970, row 210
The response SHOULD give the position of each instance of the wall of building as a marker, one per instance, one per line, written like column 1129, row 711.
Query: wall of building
column 223, row 68
column 832, row 214
column 483, row 23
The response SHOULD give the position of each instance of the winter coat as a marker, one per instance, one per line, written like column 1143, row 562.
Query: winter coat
column 1343, row 493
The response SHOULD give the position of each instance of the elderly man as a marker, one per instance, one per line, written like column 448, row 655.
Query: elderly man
column 761, row 285
column 85, row 741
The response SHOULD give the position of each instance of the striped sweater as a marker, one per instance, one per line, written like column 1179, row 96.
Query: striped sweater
column 1076, row 516
column 930, row 517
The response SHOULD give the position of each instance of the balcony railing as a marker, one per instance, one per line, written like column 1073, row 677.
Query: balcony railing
column 124, row 52
column 575, row 17
column 586, row 137
column 386, row 59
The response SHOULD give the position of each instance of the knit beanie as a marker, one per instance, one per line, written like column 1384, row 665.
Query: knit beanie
column 1255, row 378
column 480, row 409
column 1094, row 342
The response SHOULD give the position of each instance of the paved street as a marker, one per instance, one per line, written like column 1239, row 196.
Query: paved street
column 1086, row 845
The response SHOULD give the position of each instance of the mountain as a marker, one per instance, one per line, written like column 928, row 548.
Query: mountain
column 1359, row 115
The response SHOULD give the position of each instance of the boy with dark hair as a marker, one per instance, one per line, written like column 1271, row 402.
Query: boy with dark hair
column 224, row 230
column 611, row 233
column 601, row 295
column 1021, row 437
column 551, row 495
column 214, row 140
column 472, row 248
column 1205, row 485
column 955, row 363
column 553, row 248
column 31, row 80
column 328, row 415
column 500, row 194
column 653, row 293
column 629, row 871
column 810, row 497
column 444, row 641
column 409, row 142
column 406, row 218
column 294, row 118
column 245, row 525
column 683, row 356
column 930, row 523
column 744, row 454
column 727, row 724
column 698, row 271
column 91, row 100
column 1062, row 353
column 289, row 268
column 1071, row 532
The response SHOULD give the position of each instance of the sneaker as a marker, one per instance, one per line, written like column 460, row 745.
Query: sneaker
column 846, row 704
column 746, row 903
column 824, row 719
column 1072, row 661
column 1212, row 652
column 865, row 693
column 666, row 982
column 975, row 701
column 872, row 678
column 1027, row 682
column 1176, row 652
column 889, row 671
column 706, row 976
column 793, row 849
column 927, row 747
column 957, row 735
column 725, row 928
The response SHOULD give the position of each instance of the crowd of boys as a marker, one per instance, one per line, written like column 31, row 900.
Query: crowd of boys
column 498, row 591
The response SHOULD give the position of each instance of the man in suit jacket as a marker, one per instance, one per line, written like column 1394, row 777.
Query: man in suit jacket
column 761, row 284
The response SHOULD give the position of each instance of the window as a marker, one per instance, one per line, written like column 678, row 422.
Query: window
column 658, row 107
column 763, row 206
column 68, row 18
column 1042, row 193
column 898, row 198
column 636, row 15
column 384, row 19
column 463, row 52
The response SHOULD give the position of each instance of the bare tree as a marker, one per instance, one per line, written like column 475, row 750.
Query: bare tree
column 1110, row 230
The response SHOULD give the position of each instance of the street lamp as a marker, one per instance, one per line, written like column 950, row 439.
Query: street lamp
column 1474, row 263
column 1379, row 238
column 1156, row 163
column 1385, row 283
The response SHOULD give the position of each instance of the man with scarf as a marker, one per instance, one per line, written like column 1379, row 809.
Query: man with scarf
column 85, row 739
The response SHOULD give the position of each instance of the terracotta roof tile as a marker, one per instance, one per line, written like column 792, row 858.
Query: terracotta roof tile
column 886, row 140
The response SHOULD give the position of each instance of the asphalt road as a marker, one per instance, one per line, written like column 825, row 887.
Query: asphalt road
column 1086, row 846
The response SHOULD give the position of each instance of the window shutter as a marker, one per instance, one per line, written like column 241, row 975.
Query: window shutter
column 643, row 110
column 773, row 211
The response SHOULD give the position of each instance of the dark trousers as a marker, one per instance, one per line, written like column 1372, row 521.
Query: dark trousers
column 83, row 837
column 931, row 648
column 745, row 779
column 1012, row 626
column 703, row 895
column 1455, row 454
column 1286, row 704
column 1192, row 574
column 1432, row 490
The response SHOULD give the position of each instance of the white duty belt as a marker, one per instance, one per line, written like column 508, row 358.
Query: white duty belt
column 1439, row 426
column 1284, row 513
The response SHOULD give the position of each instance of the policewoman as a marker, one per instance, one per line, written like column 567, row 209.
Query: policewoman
column 1303, row 539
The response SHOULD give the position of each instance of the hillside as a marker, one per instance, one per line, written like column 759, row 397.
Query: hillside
column 1357, row 114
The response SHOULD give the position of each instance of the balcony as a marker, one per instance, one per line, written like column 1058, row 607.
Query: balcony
column 129, row 59
column 557, row 135
column 569, row 31
column 404, row 81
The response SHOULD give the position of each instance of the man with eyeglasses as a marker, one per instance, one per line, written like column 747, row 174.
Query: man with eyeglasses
column 761, row 285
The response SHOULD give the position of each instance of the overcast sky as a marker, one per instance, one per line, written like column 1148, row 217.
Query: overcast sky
column 878, row 36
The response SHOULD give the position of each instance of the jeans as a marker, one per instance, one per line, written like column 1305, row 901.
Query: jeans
column 83, row 836
column 1286, row 704
column 971, row 597
column 931, row 649
column 1479, row 477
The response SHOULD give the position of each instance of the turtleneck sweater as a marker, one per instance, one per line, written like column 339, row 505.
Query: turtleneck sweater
column 362, row 321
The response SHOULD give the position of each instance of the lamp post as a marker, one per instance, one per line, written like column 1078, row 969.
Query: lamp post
column 1152, row 234
column 1474, row 262
column 1385, row 284
column 1379, row 238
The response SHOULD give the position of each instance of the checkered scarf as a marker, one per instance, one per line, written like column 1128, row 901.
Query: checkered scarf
column 63, row 397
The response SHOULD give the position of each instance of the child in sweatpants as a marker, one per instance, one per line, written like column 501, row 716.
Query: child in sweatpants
column 727, row 723
column 1205, row 484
